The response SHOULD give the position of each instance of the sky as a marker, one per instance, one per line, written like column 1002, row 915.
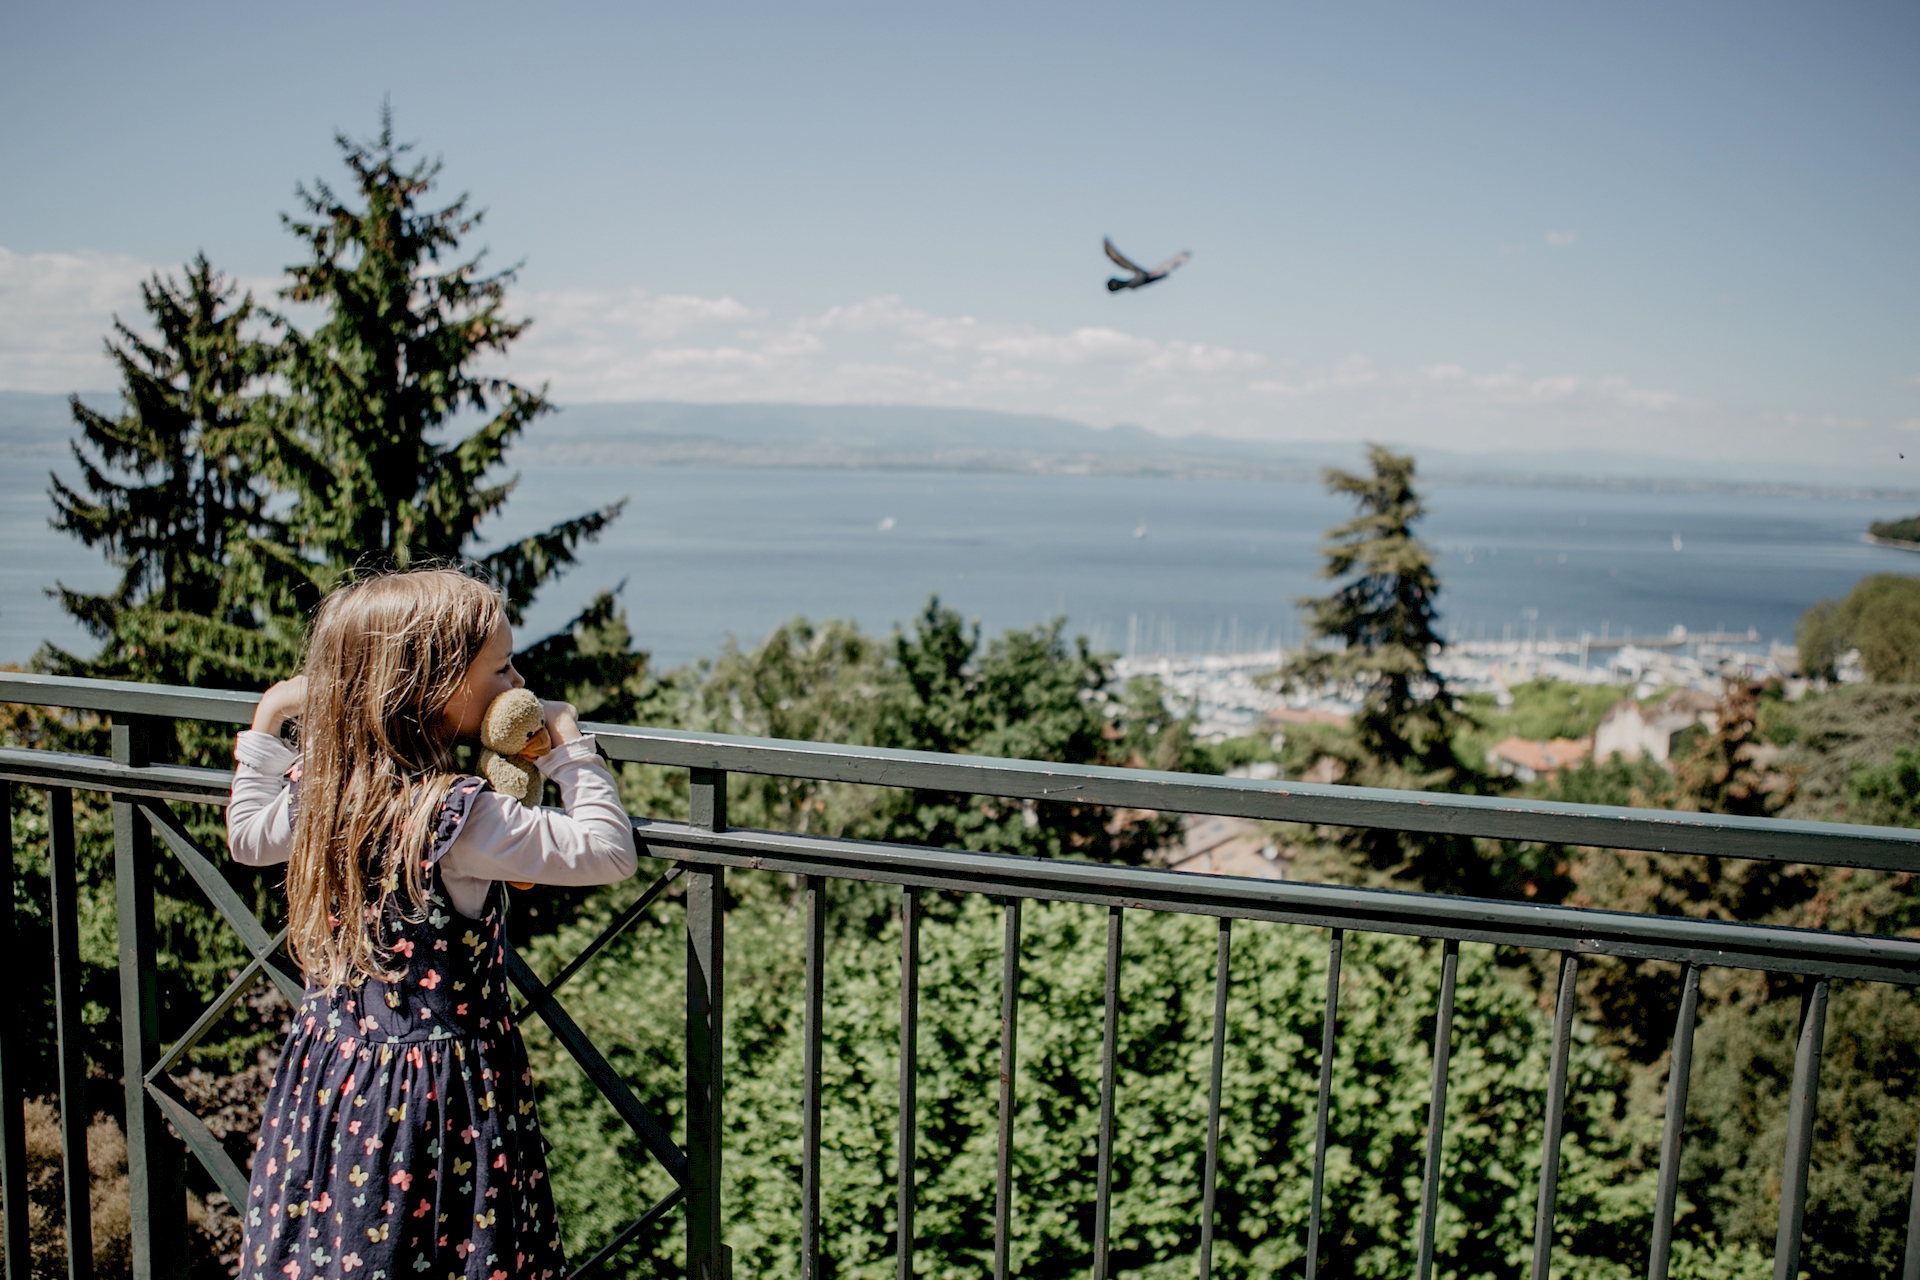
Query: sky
column 1685, row 231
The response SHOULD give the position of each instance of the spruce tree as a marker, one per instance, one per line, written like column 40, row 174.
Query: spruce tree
column 171, row 493
column 1383, row 621
column 391, row 366
column 1376, row 634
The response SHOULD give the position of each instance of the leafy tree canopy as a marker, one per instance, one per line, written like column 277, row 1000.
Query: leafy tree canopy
column 1029, row 694
column 1880, row 617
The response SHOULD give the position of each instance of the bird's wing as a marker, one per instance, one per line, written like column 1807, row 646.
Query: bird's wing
column 1170, row 263
column 1121, row 259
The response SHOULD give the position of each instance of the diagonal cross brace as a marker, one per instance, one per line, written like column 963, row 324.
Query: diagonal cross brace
column 253, row 934
column 211, row 1014
column 608, row 934
column 652, row 1134
column 200, row 1140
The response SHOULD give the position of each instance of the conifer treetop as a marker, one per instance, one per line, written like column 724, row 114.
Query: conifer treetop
column 394, row 362
column 1379, row 629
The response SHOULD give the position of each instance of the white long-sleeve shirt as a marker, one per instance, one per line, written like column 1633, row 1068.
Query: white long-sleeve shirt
column 501, row 839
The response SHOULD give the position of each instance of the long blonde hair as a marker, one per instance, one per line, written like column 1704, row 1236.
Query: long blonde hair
column 384, row 659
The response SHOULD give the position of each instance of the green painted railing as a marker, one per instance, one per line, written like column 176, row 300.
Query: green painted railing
column 143, row 792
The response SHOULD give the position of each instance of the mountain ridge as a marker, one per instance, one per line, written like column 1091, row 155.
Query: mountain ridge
column 920, row 437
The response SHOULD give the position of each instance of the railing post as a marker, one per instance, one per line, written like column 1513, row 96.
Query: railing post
column 1009, row 1062
column 707, row 1257
column 1221, row 977
column 1910, row 1266
column 13, row 1133
column 810, row 1081
column 63, row 906
column 906, row 1149
column 1803, row 1108
column 1679, row 1073
column 1103, row 1193
column 1555, row 1116
column 156, row 1167
column 1329, row 1023
column 1437, row 1107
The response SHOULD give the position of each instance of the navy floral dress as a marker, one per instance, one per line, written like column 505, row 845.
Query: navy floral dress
column 399, row 1140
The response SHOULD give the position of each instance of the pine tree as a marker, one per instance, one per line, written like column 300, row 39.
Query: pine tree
column 391, row 366
column 173, row 498
column 1384, row 622
column 1377, row 634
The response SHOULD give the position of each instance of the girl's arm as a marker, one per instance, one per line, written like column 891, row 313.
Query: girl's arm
column 259, row 823
column 502, row 839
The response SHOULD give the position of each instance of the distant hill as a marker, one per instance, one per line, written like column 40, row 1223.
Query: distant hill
column 893, row 436
column 908, row 436
column 916, row 437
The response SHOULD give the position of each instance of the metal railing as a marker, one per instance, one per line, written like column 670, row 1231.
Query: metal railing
column 702, row 849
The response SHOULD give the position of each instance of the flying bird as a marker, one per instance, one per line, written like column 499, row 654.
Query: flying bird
column 1141, row 276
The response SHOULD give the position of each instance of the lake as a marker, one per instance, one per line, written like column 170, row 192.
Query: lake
column 1136, row 564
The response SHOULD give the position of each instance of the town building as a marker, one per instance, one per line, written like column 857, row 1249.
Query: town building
column 1632, row 732
column 1527, row 759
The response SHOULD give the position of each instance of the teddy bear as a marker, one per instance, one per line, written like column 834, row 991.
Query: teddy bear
column 514, row 733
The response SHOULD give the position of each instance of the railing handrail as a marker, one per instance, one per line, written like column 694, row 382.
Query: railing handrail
column 1578, row 929
column 1538, row 821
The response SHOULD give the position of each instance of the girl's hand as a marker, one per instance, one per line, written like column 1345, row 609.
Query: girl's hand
column 280, row 704
column 563, row 722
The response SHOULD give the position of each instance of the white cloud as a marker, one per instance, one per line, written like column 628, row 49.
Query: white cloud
column 878, row 350
column 629, row 344
column 55, row 309
column 881, row 350
column 57, row 312
column 1561, row 239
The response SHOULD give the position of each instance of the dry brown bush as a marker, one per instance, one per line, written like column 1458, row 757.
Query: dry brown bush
column 210, row 1225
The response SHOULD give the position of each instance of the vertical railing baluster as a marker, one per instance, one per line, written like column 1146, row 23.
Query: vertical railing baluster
column 1911, row 1269
column 1556, row 1113
column 1009, row 1057
column 1328, row 1022
column 1221, row 977
column 67, row 1000
column 1679, row 1074
column 1103, row 1188
column 156, row 1166
column 1437, row 1107
column 906, row 1147
column 13, row 1061
column 810, row 1083
column 1802, row 1110
column 706, row 1004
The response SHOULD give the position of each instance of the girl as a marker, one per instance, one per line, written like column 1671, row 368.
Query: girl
column 399, row 1140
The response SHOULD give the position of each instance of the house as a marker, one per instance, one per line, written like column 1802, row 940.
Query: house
column 1631, row 732
column 1527, row 759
